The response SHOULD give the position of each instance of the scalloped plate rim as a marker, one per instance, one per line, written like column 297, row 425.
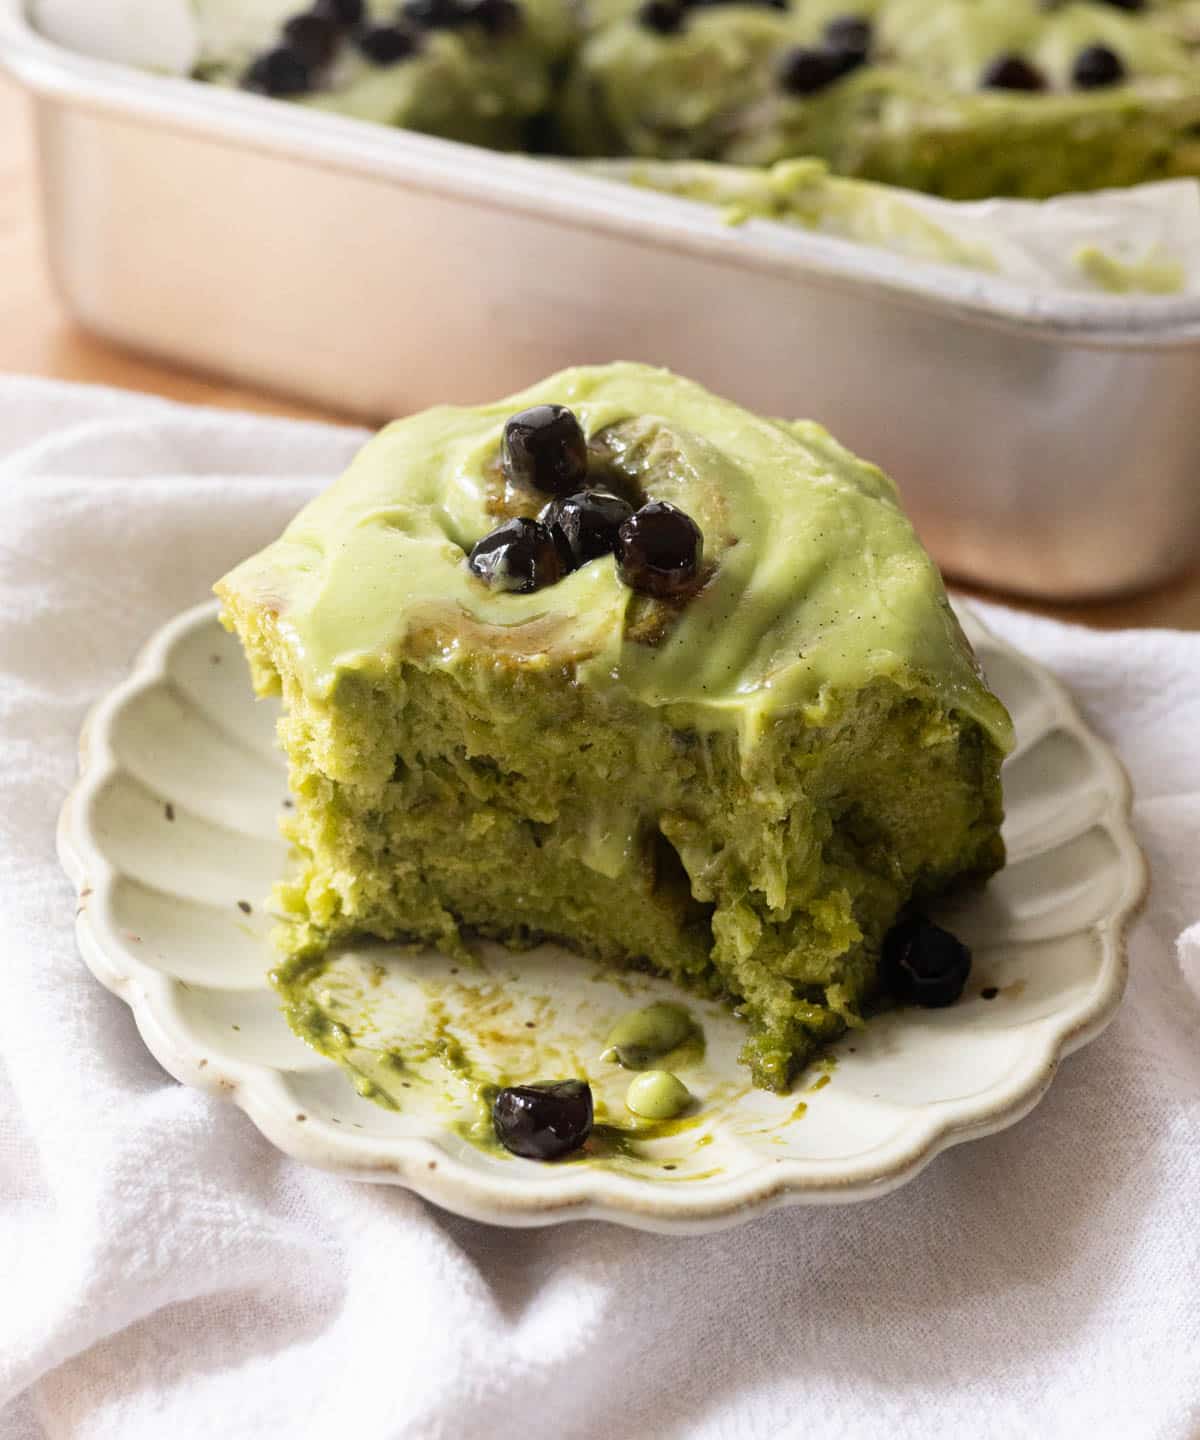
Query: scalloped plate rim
column 421, row 1165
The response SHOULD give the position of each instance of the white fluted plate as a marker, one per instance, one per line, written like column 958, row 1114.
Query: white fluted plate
column 171, row 836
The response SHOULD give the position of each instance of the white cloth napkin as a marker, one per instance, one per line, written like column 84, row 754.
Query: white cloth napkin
column 165, row 1274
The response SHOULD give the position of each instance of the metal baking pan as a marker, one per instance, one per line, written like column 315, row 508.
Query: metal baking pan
column 1046, row 444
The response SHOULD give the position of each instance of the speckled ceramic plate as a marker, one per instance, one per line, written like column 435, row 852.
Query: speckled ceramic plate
column 171, row 837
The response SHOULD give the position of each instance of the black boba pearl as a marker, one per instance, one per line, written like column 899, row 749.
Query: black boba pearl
column 1133, row 5
column 847, row 60
column 541, row 135
column 497, row 17
column 659, row 550
column 313, row 36
column 807, row 69
column 279, row 72
column 1012, row 72
column 849, row 35
column 545, row 449
column 664, row 17
column 543, row 1121
column 387, row 44
column 586, row 524
column 922, row 964
column 342, row 12
column 520, row 555
column 435, row 14
column 1096, row 66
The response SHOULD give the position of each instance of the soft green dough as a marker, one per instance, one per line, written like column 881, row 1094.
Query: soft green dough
column 740, row 794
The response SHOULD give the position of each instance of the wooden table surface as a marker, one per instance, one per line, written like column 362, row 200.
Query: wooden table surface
column 38, row 337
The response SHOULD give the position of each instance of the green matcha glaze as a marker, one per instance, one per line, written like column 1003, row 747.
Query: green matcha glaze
column 657, row 1095
column 648, row 1034
column 819, row 586
column 803, row 193
column 1153, row 276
